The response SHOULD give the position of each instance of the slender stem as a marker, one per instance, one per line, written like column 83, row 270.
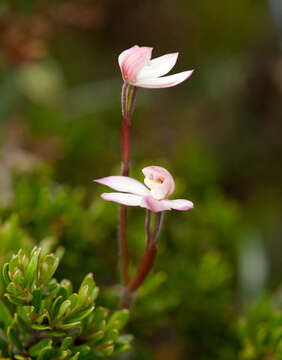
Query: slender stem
column 145, row 267
column 122, row 243
column 147, row 261
column 148, row 226
column 127, row 102
column 158, row 225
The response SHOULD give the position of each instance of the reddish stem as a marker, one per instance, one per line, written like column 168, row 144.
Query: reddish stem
column 125, row 146
column 146, row 264
column 144, row 268
column 127, row 101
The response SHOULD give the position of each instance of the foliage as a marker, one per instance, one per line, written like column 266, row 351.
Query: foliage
column 46, row 320
column 261, row 332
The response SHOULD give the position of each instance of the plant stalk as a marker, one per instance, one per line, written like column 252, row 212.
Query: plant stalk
column 147, row 261
column 127, row 103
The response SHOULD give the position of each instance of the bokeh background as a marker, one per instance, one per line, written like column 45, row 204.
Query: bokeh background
column 219, row 133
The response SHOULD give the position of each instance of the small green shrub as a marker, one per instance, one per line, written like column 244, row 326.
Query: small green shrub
column 45, row 319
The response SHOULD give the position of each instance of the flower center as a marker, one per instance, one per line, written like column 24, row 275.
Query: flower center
column 158, row 186
column 159, row 180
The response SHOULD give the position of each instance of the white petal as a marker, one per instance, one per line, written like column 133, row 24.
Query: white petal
column 122, row 198
column 124, row 184
column 158, row 66
column 179, row 204
column 152, row 204
column 164, row 82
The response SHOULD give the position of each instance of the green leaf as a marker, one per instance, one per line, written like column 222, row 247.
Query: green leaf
column 5, row 316
column 18, row 277
column 52, row 287
column 65, row 308
column 47, row 354
column 36, row 299
column 41, row 327
column 48, row 268
column 15, row 300
column 69, row 325
column 13, row 289
column 13, row 265
column 89, row 281
column 23, row 259
column 75, row 357
column 65, row 354
column 66, row 343
column 5, row 273
column 111, row 335
column 73, row 299
column 82, row 296
column 97, row 336
column 14, row 338
column 62, row 292
column 83, row 350
column 95, row 293
column 80, row 314
column 100, row 314
column 66, row 284
column 37, row 348
column 31, row 269
column 56, row 306
column 41, row 318
column 119, row 319
column 25, row 313
column 108, row 350
column 122, row 347
column 57, row 333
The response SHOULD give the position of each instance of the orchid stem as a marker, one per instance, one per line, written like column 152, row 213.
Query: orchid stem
column 127, row 103
column 148, row 226
column 147, row 260
column 158, row 225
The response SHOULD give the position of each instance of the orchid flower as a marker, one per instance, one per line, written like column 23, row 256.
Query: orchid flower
column 160, row 185
column 139, row 70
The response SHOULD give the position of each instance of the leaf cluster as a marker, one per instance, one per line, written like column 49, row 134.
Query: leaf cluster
column 45, row 319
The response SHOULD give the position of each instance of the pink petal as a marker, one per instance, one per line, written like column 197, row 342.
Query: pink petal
column 179, row 204
column 124, row 184
column 122, row 198
column 158, row 67
column 125, row 53
column 164, row 82
column 154, row 171
column 152, row 204
column 134, row 62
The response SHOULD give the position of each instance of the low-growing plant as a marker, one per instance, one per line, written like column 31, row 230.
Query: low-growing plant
column 42, row 318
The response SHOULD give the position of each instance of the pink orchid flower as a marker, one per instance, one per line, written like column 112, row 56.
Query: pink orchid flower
column 160, row 185
column 139, row 70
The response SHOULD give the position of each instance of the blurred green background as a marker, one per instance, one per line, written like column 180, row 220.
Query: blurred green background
column 219, row 133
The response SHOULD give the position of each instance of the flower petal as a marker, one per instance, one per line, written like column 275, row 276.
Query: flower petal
column 124, row 184
column 125, row 53
column 152, row 204
column 179, row 204
column 158, row 66
column 134, row 62
column 122, row 198
column 163, row 190
column 164, row 82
